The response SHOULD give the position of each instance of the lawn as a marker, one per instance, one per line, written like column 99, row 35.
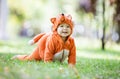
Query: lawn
column 92, row 62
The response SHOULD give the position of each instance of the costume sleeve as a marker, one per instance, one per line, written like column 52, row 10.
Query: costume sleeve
column 37, row 37
column 72, row 55
column 49, row 50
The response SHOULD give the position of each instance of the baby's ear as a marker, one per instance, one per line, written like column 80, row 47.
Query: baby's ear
column 69, row 17
column 53, row 20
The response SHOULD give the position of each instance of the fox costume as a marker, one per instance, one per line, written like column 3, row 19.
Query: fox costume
column 51, row 47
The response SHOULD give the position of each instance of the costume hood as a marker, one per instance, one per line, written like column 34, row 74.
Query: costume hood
column 56, row 21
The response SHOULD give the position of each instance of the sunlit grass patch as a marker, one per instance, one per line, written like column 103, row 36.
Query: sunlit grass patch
column 16, row 46
column 91, row 48
column 97, row 56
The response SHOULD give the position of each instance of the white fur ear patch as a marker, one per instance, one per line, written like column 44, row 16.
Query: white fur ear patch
column 53, row 20
column 69, row 17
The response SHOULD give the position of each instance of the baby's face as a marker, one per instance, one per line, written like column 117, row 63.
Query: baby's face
column 64, row 30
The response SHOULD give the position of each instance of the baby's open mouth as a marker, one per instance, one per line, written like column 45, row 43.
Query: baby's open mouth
column 64, row 32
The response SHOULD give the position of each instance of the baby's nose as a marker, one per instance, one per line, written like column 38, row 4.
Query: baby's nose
column 64, row 27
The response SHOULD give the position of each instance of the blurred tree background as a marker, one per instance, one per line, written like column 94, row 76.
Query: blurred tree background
column 95, row 19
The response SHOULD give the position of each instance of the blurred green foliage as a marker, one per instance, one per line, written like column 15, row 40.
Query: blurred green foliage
column 36, row 12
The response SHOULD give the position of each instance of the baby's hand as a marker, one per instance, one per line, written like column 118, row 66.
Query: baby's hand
column 74, row 69
column 31, row 42
column 71, row 66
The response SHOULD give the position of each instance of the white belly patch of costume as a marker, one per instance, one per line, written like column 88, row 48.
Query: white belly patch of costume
column 61, row 56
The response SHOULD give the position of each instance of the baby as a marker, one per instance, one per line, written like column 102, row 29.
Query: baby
column 57, row 45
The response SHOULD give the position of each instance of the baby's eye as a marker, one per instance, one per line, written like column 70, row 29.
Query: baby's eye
column 68, row 27
column 61, row 26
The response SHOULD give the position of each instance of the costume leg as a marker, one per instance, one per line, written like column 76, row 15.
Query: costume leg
column 33, row 56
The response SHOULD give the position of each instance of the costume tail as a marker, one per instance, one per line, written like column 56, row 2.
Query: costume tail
column 37, row 37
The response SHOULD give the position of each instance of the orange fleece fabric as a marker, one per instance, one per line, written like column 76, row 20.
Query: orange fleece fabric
column 50, row 44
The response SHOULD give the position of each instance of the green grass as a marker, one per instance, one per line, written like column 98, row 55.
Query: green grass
column 92, row 62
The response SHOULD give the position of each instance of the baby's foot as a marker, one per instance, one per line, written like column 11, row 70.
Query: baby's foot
column 14, row 57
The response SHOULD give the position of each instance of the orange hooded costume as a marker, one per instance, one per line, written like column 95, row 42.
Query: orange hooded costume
column 51, row 47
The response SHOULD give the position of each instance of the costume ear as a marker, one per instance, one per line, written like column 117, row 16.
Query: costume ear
column 69, row 17
column 53, row 20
